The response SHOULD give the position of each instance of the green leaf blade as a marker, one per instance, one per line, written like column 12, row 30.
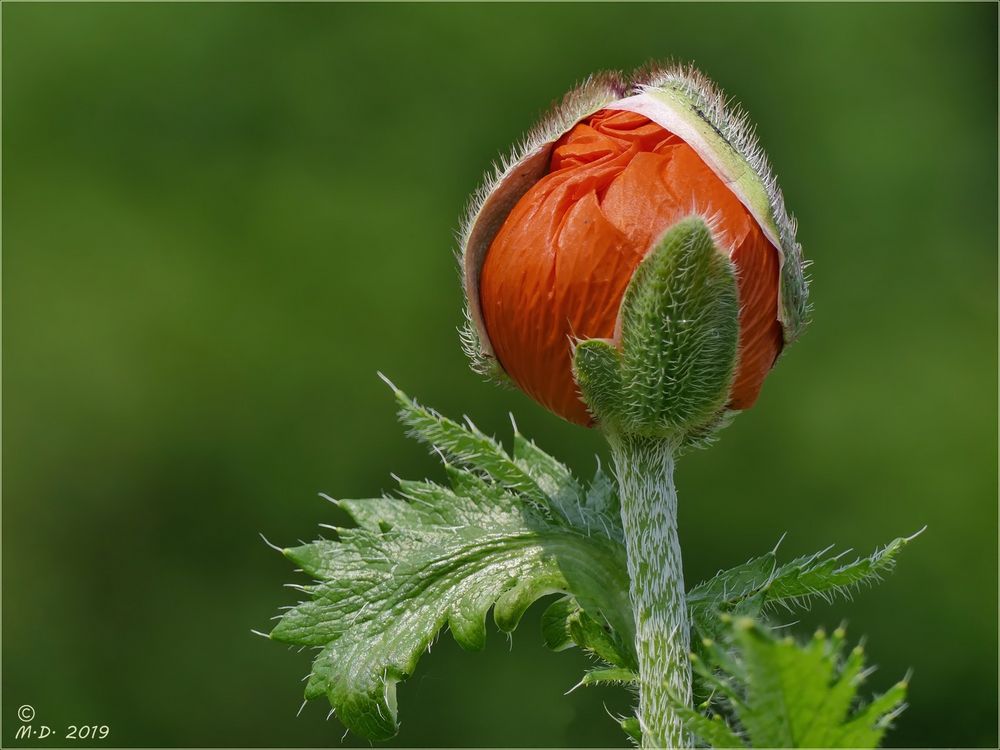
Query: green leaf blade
column 782, row 693
column 508, row 531
column 761, row 584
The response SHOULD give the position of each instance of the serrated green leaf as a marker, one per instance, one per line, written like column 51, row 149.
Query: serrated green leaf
column 781, row 693
column 827, row 576
column 712, row 730
column 871, row 722
column 602, row 499
column 555, row 623
column 761, row 583
column 584, row 508
column 565, row 624
column 610, row 676
column 505, row 531
column 602, row 640
column 631, row 726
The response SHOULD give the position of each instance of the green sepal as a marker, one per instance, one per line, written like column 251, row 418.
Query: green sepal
column 679, row 328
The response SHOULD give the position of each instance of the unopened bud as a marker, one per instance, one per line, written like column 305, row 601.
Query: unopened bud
column 633, row 264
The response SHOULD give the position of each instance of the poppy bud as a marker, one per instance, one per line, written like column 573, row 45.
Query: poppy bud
column 633, row 261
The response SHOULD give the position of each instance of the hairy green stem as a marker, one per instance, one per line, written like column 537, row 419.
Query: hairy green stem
column 645, row 470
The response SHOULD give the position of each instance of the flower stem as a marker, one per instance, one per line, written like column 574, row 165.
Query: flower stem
column 645, row 470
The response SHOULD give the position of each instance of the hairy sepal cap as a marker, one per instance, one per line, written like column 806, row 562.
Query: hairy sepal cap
column 686, row 104
column 671, row 374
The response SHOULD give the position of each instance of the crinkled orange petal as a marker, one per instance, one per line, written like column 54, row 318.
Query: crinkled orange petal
column 559, row 266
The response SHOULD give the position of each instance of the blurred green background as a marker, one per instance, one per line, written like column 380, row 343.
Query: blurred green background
column 221, row 220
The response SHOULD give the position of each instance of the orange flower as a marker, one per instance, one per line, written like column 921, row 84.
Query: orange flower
column 554, row 244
